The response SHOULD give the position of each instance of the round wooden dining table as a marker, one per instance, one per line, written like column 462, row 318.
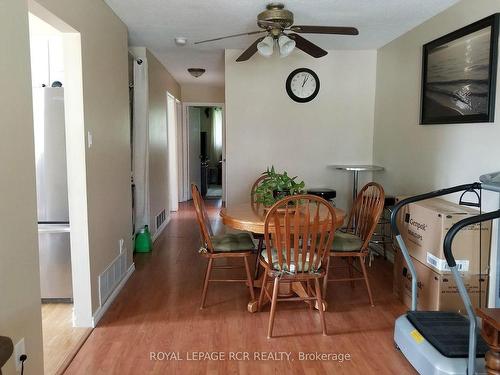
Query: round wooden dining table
column 250, row 217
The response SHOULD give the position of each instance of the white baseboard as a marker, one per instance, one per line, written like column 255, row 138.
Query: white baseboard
column 102, row 309
column 161, row 228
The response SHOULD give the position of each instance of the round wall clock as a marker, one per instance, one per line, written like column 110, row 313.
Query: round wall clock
column 302, row 85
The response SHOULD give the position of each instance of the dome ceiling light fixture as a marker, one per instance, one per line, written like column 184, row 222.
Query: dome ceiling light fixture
column 196, row 72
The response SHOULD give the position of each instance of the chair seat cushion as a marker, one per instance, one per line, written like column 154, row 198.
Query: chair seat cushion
column 233, row 242
column 346, row 242
column 276, row 266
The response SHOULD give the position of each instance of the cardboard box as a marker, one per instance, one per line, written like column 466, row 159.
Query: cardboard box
column 424, row 225
column 437, row 292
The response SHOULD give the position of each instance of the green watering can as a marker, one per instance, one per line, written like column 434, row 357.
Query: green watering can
column 143, row 242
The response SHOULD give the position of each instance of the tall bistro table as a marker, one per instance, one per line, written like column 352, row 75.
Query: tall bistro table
column 355, row 169
column 250, row 217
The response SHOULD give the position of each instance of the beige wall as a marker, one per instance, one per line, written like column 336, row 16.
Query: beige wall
column 162, row 77
column 160, row 81
column 264, row 126
column 104, row 56
column 420, row 158
column 196, row 93
column 19, row 275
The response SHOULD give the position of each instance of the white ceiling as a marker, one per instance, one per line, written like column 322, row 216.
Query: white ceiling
column 155, row 23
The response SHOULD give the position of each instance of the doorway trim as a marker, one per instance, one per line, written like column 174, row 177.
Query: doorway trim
column 186, row 191
column 76, row 145
column 172, row 153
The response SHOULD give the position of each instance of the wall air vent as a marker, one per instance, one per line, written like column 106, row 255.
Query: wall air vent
column 160, row 219
column 111, row 277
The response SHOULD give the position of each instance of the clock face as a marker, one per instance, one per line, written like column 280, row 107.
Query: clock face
column 302, row 85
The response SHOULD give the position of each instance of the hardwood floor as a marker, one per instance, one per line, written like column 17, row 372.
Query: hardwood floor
column 158, row 311
column 60, row 339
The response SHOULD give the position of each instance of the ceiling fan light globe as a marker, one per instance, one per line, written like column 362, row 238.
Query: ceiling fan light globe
column 266, row 46
column 286, row 45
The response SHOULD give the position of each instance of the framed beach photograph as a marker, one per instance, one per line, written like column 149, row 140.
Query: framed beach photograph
column 459, row 75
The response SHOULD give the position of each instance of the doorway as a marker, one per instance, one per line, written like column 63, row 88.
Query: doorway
column 205, row 136
column 55, row 50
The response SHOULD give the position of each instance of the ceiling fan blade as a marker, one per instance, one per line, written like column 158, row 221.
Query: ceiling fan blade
column 250, row 51
column 325, row 30
column 231, row 36
column 307, row 46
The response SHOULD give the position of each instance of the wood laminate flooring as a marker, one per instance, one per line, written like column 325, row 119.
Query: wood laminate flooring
column 60, row 339
column 158, row 311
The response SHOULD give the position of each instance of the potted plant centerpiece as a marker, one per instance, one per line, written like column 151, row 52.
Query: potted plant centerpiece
column 277, row 186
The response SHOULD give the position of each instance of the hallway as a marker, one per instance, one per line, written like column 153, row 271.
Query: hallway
column 158, row 311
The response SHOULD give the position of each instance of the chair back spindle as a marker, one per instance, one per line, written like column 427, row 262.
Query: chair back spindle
column 366, row 212
column 253, row 196
column 203, row 219
column 299, row 232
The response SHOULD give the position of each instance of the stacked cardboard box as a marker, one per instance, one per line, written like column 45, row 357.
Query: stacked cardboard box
column 423, row 226
column 437, row 291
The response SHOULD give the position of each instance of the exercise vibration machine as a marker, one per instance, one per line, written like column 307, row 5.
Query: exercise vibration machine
column 440, row 342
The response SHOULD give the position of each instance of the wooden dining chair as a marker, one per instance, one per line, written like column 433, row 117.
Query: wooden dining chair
column 298, row 232
column 256, row 184
column 258, row 236
column 352, row 241
column 225, row 246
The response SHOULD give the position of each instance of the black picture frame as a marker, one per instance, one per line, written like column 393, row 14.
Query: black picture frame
column 448, row 101
column 289, row 88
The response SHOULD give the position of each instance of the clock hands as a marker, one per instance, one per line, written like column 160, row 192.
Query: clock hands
column 305, row 80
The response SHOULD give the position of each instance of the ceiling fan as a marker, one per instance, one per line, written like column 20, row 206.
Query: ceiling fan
column 277, row 23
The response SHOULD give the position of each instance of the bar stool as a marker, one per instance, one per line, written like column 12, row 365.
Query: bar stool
column 383, row 234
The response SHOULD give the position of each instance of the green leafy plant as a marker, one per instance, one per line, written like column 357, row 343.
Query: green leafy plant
column 276, row 186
